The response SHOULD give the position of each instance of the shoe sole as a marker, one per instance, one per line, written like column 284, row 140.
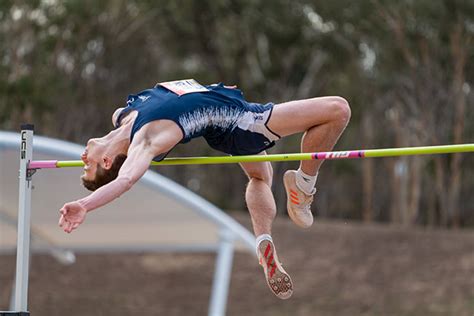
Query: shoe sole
column 292, row 215
column 278, row 280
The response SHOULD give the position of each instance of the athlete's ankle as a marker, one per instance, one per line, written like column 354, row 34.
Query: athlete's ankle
column 306, row 182
column 261, row 238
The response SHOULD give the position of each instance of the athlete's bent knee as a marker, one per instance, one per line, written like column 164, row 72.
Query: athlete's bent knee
column 264, row 174
column 341, row 110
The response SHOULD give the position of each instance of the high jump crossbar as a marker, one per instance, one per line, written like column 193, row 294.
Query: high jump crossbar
column 329, row 155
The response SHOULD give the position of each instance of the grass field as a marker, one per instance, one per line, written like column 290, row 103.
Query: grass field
column 338, row 269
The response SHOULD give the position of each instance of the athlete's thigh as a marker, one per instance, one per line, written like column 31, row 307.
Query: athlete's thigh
column 298, row 116
column 260, row 170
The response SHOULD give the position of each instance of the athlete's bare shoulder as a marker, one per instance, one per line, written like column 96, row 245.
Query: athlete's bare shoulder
column 160, row 135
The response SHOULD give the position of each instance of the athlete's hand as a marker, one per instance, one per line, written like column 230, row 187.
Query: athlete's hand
column 72, row 215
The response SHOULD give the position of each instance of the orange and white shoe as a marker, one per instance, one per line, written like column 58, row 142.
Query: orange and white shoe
column 298, row 202
column 278, row 280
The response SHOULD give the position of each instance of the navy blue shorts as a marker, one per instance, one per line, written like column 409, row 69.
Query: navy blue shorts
column 250, row 135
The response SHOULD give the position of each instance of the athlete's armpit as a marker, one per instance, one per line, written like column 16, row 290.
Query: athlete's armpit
column 137, row 163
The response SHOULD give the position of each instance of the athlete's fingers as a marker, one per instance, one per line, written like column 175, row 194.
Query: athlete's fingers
column 69, row 227
column 75, row 225
column 66, row 226
column 61, row 221
column 63, row 210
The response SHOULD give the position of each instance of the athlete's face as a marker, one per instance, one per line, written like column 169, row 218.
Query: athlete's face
column 91, row 157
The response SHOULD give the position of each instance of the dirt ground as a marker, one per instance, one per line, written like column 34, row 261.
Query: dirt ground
column 338, row 269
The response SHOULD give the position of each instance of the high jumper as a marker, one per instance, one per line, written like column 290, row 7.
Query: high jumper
column 155, row 120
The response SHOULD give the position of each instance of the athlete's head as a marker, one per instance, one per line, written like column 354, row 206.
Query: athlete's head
column 101, row 163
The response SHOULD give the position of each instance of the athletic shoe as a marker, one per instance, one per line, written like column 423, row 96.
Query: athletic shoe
column 278, row 280
column 298, row 202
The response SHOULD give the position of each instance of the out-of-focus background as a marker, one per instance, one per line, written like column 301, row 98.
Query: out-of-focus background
column 396, row 234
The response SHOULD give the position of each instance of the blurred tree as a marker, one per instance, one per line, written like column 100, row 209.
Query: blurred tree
column 432, row 39
column 404, row 66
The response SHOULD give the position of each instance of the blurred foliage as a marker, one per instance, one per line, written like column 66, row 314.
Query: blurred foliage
column 403, row 65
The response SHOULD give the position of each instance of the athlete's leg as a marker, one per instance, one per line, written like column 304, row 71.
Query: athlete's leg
column 262, row 208
column 322, row 119
column 259, row 196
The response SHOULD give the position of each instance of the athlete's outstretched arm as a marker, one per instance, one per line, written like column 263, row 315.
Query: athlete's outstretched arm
column 137, row 162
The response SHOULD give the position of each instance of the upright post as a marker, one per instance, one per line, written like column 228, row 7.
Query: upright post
column 24, row 215
column 220, row 284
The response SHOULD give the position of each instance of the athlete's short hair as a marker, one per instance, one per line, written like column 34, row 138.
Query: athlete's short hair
column 104, row 176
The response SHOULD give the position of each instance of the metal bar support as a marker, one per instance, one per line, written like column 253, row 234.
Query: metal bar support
column 221, row 282
column 24, row 216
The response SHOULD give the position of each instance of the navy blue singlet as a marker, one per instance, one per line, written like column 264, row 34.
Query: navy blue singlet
column 221, row 115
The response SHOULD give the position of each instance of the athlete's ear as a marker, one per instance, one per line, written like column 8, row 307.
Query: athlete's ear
column 107, row 161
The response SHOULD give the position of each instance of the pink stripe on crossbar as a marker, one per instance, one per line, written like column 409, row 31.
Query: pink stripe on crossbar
column 42, row 164
column 339, row 155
